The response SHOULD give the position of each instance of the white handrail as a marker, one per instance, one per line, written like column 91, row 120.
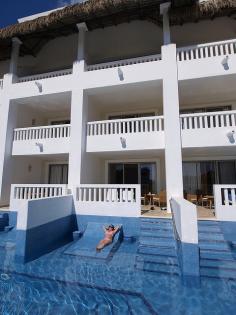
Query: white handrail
column 226, row 112
column 208, row 120
column 124, row 62
column 225, row 195
column 42, row 132
column 207, row 50
column 121, row 126
column 28, row 191
column 108, row 193
column 46, row 75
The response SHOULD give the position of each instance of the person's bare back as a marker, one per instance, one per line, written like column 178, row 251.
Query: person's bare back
column 110, row 232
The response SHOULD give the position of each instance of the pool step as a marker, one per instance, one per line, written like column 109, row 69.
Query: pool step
column 219, row 255
column 156, row 247
column 165, row 260
column 152, row 250
column 216, row 246
column 216, row 263
column 208, row 236
column 216, row 256
column 4, row 221
column 218, row 273
column 159, row 268
column 157, row 233
column 156, row 241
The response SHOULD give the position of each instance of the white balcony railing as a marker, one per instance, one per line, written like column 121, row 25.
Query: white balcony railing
column 208, row 120
column 107, row 193
column 121, row 126
column 208, row 50
column 1, row 84
column 27, row 192
column 225, row 202
column 124, row 62
column 108, row 200
column 45, row 75
column 42, row 132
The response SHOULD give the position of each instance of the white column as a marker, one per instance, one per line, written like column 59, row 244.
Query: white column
column 14, row 55
column 173, row 154
column 78, row 136
column 79, row 64
column 164, row 9
column 78, row 113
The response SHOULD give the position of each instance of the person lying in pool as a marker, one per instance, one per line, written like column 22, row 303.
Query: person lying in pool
column 110, row 232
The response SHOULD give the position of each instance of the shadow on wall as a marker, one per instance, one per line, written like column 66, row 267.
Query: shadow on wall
column 50, row 224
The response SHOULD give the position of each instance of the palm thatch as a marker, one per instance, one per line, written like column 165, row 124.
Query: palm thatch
column 102, row 13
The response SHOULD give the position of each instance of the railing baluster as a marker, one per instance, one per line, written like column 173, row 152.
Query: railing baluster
column 226, row 197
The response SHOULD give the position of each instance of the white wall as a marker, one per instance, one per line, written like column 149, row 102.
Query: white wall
column 27, row 170
column 203, row 32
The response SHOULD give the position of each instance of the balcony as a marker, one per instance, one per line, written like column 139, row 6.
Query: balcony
column 45, row 83
column 206, row 60
column 41, row 140
column 126, row 134
column 134, row 70
column 214, row 129
column 111, row 200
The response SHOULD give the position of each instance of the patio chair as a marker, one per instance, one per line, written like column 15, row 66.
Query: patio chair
column 143, row 200
column 192, row 198
column 156, row 199
column 163, row 198
column 204, row 201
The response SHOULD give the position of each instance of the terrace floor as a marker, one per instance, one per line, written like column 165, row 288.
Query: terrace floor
column 203, row 213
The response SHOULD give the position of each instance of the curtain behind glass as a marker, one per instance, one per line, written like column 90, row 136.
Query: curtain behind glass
column 227, row 172
column 58, row 174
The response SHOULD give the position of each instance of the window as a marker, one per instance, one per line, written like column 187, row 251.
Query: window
column 206, row 109
column 58, row 174
column 199, row 177
column 144, row 174
column 135, row 115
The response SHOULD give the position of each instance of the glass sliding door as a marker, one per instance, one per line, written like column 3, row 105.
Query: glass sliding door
column 116, row 174
column 227, row 172
column 148, row 178
column 144, row 174
column 131, row 174
column 58, row 174
column 207, row 171
column 200, row 176
column 190, row 177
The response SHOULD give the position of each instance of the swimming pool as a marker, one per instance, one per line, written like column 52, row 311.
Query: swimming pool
column 61, row 284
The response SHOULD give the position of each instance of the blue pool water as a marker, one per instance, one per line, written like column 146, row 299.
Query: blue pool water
column 62, row 284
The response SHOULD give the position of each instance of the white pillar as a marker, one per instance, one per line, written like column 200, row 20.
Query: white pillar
column 78, row 136
column 173, row 154
column 79, row 64
column 14, row 55
column 164, row 9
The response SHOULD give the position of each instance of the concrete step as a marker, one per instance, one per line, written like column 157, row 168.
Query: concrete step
column 166, row 260
column 220, row 264
column 219, row 255
column 156, row 224
column 157, row 234
column 218, row 273
column 163, row 251
column 205, row 229
column 205, row 236
column 214, row 245
column 208, row 223
column 159, row 242
column 159, row 268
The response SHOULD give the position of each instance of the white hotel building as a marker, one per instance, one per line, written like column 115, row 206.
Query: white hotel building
column 111, row 102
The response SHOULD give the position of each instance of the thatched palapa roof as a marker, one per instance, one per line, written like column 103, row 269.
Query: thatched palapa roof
column 103, row 13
